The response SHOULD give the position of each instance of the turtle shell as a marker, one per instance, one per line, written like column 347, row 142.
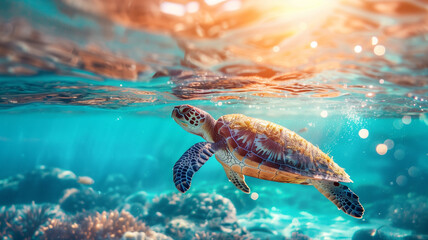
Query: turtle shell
column 275, row 149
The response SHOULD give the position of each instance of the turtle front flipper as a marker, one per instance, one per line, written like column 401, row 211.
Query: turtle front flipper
column 191, row 161
column 237, row 179
column 341, row 196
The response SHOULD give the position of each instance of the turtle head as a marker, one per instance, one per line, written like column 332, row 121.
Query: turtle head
column 194, row 120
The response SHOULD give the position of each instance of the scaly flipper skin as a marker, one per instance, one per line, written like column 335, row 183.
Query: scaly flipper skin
column 341, row 196
column 237, row 179
column 188, row 164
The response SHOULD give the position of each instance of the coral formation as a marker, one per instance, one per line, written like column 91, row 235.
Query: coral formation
column 40, row 185
column 209, row 214
column 75, row 200
column 24, row 224
column 7, row 217
column 106, row 225
column 143, row 236
column 200, row 208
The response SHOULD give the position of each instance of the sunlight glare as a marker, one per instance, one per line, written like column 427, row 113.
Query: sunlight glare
column 173, row 8
column 232, row 5
column 358, row 49
column 192, row 7
column 374, row 41
column 213, row 2
column 314, row 44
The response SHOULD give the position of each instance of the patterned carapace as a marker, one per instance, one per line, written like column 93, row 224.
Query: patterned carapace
column 269, row 151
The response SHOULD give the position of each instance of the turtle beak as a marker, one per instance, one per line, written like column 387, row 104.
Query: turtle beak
column 175, row 112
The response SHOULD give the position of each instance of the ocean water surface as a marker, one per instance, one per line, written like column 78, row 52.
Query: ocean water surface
column 87, row 142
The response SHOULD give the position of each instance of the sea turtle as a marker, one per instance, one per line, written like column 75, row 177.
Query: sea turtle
column 260, row 149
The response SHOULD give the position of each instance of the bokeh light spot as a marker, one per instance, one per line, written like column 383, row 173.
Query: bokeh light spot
column 379, row 50
column 374, row 40
column 324, row 114
column 314, row 44
column 401, row 180
column 414, row 171
column 358, row 49
column 363, row 133
column 254, row 196
column 381, row 149
column 389, row 143
column 406, row 120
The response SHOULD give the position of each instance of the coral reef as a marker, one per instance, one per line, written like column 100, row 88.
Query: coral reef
column 40, row 185
column 143, row 236
column 24, row 224
column 187, row 215
column 136, row 204
column 200, row 207
column 106, row 225
column 75, row 200
column 7, row 217
column 297, row 235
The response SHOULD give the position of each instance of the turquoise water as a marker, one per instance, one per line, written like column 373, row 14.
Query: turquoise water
column 87, row 89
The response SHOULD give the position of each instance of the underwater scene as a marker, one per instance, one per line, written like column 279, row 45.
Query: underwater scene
column 213, row 119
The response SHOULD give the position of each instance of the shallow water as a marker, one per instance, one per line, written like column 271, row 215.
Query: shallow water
column 88, row 87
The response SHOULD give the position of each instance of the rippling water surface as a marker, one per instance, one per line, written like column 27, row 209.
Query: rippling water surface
column 368, row 56
column 89, row 85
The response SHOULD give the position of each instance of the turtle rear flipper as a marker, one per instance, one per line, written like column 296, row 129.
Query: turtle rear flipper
column 190, row 162
column 237, row 179
column 341, row 196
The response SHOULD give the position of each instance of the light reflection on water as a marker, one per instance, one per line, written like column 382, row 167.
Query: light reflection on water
column 366, row 54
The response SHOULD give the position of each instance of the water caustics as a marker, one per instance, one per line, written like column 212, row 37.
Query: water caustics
column 368, row 57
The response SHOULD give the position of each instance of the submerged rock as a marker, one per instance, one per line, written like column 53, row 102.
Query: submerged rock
column 40, row 185
column 386, row 233
column 410, row 212
column 242, row 201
